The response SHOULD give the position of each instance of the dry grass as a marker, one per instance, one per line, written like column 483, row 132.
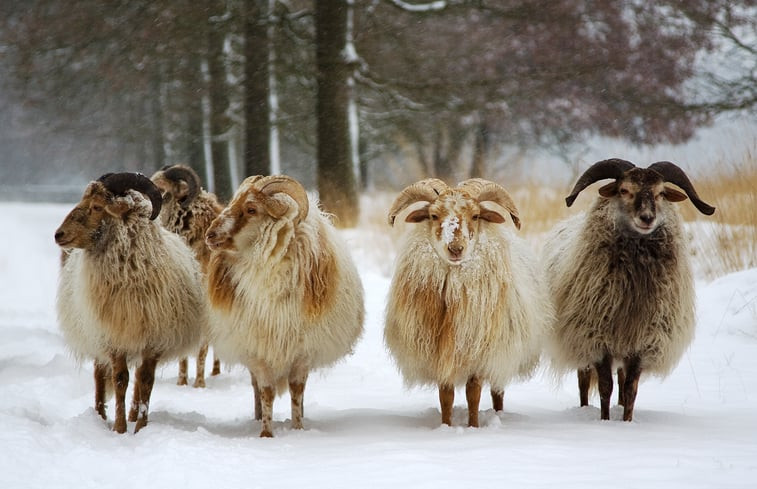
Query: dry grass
column 722, row 243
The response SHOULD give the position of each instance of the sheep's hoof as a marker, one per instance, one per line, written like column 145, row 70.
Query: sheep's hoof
column 120, row 427
column 141, row 423
column 182, row 381
column 199, row 384
column 266, row 434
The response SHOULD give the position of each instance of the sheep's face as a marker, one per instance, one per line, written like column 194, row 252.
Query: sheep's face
column 173, row 191
column 454, row 220
column 642, row 200
column 83, row 226
column 245, row 218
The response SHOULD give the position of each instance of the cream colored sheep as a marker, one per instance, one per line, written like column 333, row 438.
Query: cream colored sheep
column 466, row 303
column 128, row 291
column 285, row 295
column 621, row 280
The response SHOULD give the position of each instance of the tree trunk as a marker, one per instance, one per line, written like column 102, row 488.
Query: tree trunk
column 337, row 185
column 219, row 102
column 480, row 150
column 257, row 107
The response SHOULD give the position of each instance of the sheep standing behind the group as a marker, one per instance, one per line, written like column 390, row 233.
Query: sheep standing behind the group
column 285, row 295
column 621, row 280
column 129, row 290
column 467, row 304
column 188, row 211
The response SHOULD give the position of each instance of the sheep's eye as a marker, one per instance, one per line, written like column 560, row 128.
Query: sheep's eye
column 475, row 217
column 434, row 217
column 251, row 211
column 624, row 191
column 96, row 208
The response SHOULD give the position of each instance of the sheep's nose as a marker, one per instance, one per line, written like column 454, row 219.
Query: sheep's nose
column 58, row 236
column 455, row 249
column 646, row 218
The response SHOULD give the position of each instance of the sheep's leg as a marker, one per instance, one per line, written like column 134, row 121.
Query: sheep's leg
column 136, row 399
column 584, row 384
column 621, row 386
column 120, row 372
column 101, row 382
column 473, row 396
column 183, row 367
column 256, row 398
column 216, row 365
column 447, row 400
column 200, row 376
column 498, row 399
column 267, row 394
column 145, row 381
column 298, row 376
column 630, row 386
column 604, row 378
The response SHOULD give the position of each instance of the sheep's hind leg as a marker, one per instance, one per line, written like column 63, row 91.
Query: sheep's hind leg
column 256, row 398
column 498, row 399
column 267, row 394
column 200, row 376
column 584, row 384
column 102, row 372
column 145, row 381
column 447, row 400
column 631, row 386
column 298, row 376
column 120, row 371
column 473, row 396
column 604, row 378
column 216, row 365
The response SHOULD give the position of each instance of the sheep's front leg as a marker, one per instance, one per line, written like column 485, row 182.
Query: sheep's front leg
column 183, row 367
column 473, row 396
column 200, row 376
column 267, row 393
column 630, row 386
column 298, row 376
column 604, row 379
column 447, row 400
column 120, row 372
column 621, row 386
column 145, row 382
column 584, row 383
column 102, row 371
column 216, row 365
column 498, row 399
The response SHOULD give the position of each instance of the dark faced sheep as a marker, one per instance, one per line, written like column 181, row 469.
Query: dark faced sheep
column 621, row 280
column 188, row 211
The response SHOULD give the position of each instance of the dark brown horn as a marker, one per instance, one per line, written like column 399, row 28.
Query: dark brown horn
column 119, row 183
column 282, row 183
column 483, row 190
column 177, row 173
column 426, row 190
column 675, row 175
column 612, row 168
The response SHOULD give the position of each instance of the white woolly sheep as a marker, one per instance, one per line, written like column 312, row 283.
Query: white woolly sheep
column 188, row 211
column 621, row 280
column 128, row 289
column 285, row 295
column 466, row 303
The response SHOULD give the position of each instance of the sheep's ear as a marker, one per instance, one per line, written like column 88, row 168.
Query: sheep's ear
column 609, row 190
column 117, row 208
column 673, row 195
column 495, row 213
column 418, row 215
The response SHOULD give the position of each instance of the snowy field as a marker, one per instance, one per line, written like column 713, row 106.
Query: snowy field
column 363, row 428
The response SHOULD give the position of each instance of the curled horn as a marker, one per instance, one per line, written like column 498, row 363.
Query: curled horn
column 119, row 183
column 281, row 183
column 483, row 190
column 426, row 190
column 612, row 168
column 675, row 175
column 177, row 173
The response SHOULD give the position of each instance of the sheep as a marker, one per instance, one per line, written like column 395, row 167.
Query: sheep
column 128, row 290
column 621, row 280
column 188, row 211
column 285, row 296
column 466, row 304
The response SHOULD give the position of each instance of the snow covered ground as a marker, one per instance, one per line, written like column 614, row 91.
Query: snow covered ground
column 695, row 429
